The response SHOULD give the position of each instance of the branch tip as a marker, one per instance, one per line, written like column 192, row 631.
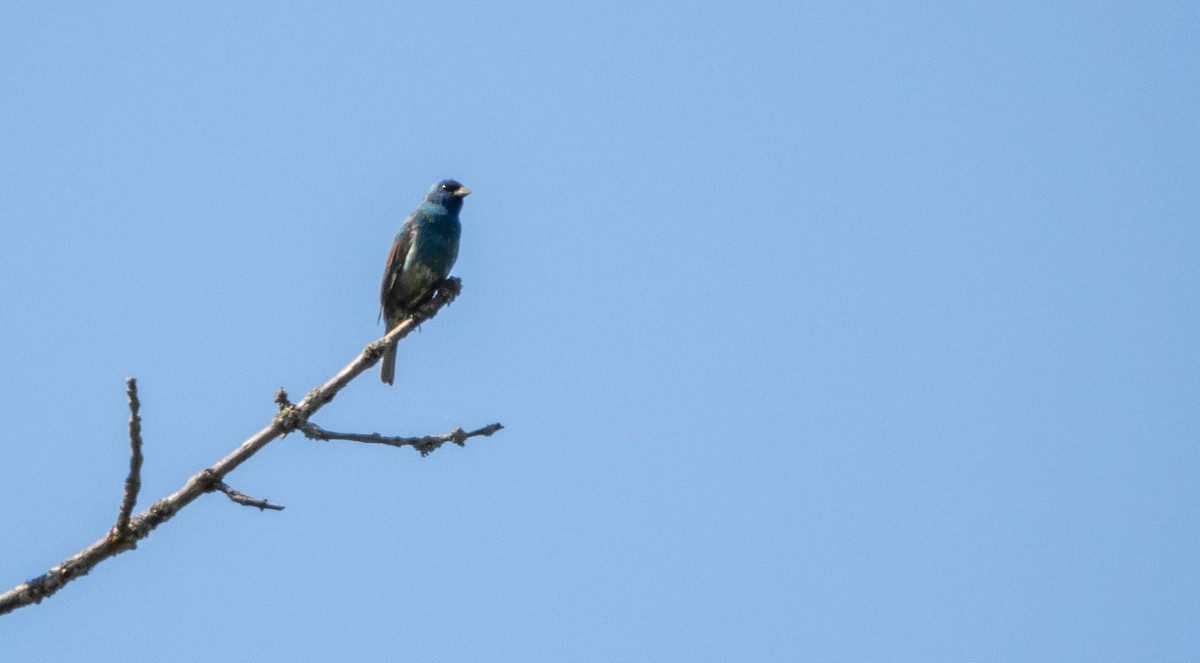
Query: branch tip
column 425, row 445
column 244, row 499
column 133, row 482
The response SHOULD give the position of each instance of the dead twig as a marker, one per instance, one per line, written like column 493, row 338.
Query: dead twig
column 242, row 498
column 133, row 483
column 426, row 445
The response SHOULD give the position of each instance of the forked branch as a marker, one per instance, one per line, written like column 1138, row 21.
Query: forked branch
column 130, row 529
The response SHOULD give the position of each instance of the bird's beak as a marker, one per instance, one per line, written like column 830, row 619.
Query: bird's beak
column 462, row 192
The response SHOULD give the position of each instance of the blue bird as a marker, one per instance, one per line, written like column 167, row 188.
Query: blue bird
column 422, row 255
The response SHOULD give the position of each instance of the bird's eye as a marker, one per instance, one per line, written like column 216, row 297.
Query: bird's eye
column 446, row 187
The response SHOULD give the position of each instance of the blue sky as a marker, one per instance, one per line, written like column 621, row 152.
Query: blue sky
column 819, row 331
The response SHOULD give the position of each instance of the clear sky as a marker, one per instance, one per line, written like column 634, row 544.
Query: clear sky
column 820, row 331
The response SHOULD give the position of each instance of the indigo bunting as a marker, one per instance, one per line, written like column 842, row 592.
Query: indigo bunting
column 422, row 255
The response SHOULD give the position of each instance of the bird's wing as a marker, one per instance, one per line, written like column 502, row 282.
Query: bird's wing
column 396, row 258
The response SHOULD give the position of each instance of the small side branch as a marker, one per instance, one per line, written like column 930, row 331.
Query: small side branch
column 242, row 498
column 133, row 483
column 426, row 445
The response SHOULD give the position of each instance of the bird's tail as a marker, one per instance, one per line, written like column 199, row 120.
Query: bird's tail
column 387, row 367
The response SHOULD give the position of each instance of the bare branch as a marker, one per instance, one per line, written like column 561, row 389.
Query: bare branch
column 133, row 483
column 289, row 418
column 244, row 499
column 426, row 445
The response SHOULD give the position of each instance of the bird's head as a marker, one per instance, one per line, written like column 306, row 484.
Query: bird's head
column 449, row 194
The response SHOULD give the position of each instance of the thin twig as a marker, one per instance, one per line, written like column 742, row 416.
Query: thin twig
column 426, row 445
column 244, row 499
column 286, row 420
column 133, row 483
